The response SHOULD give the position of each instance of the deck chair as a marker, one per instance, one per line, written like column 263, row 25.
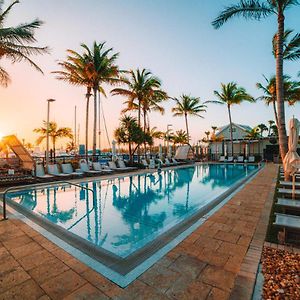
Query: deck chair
column 230, row 159
column 53, row 170
column 161, row 163
column 289, row 223
column 98, row 167
column 145, row 163
column 85, row 168
column 40, row 172
column 68, row 169
column 168, row 163
column 123, row 166
column 152, row 164
column 240, row 159
column 251, row 159
column 222, row 158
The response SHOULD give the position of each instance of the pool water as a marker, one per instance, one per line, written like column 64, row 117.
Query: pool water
column 123, row 214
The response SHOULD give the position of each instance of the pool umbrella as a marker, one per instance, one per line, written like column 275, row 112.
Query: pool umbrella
column 113, row 150
column 291, row 161
column 160, row 151
column 170, row 151
column 225, row 149
column 247, row 150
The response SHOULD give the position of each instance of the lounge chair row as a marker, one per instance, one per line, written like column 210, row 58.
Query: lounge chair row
column 239, row 159
column 67, row 169
column 289, row 201
column 155, row 163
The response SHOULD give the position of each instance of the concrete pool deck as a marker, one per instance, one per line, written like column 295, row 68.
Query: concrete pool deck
column 217, row 261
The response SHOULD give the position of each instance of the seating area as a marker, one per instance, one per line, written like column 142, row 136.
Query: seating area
column 239, row 159
column 288, row 201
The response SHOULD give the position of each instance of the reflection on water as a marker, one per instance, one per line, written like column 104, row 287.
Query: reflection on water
column 123, row 214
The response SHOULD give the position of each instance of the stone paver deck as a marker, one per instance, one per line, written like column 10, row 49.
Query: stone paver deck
column 217, row 261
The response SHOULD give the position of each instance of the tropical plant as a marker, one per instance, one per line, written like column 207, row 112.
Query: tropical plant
column 75, row 71
column 129, row 132
column 291, row 90
column 28, row 146
column 271, row 123
column 144, row 94
column 257, row 9
column 102, row 69
column 70, row 147
column 262, row 127
column 180, row 137
column 291, row 45
column 55, row 133
column 15, row 42
column 188, row 106
column 207, row 133
column 229, row 95
column 253, row 134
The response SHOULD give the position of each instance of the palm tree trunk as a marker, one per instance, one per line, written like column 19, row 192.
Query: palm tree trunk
column 231, row 133
column 275, row 113
column 87, row 124
column 95, row 121
column 187, row 128
column 139, row 123
column 145, row 129
column 279, row 86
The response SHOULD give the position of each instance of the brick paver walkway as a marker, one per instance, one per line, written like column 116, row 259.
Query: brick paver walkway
column 217, row 261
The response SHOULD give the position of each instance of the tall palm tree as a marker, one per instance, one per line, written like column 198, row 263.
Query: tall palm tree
column 75, row 71
column 271, row 123
column 55, row 133
column 291, row 45
column 188, row 106
column 258, row 9
column 231, row 94
column 15, row 42
column 207, row 133
column 143, row 92
column 102, row 69
column 262, row 127
column 291, row 90
column 180, row 137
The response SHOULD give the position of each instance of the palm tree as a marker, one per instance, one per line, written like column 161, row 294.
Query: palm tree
column 231, row 94
column 55, row 133
column 102, row 70
column 15, row 42
column 271, row 123
column 207, row 133
column 186, row 106
column 256, row 9
column 262, row 127
column 180, row 137
column 291, row 45
column 143, row 92
column 75, row 71
column 291, row 90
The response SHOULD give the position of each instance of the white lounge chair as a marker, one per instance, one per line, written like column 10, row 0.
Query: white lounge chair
column 175, row 161
column 222, row 158
column 85, row 168
column 40, row 172
column 112, row 165
column 240, row 159
column 230, row 159
column 168, row 163
column 251, row 159
column 53, row 170
column 123, row 166
column 98, row 167
column 68, row 169
column 161, row 163
column 152, row 164
column 145, row 163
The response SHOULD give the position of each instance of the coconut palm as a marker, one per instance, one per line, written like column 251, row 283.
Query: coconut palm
column 229, row 95
column 143, row 92
column 262, row 127
column 15, row 42
column 55, row 133
column 271, row 123
column 102, row 70
column 188, row 106
column 291, row 90
column 75, row 71
column 253, row 134
column 291, row 45
column 180, row 137
column 207, row 133
column 257, row 10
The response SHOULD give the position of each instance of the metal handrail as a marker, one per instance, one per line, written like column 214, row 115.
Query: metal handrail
column 16, row 188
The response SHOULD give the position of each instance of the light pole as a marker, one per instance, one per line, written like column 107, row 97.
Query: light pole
column 47, row 137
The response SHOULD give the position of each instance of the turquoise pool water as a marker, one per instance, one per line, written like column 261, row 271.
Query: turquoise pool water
column 123, row 214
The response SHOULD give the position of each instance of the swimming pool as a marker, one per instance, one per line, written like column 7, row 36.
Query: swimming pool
column 122, row 220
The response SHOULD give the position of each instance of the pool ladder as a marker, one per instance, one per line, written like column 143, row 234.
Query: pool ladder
column 12, row 188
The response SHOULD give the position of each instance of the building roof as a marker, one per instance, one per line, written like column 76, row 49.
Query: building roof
column 241, row 126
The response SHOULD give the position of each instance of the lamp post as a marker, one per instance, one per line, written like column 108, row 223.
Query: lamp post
column 47, row 137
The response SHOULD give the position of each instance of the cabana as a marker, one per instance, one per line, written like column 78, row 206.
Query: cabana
column 184, row 153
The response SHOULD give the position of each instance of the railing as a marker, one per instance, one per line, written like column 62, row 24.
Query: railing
column 17, row 188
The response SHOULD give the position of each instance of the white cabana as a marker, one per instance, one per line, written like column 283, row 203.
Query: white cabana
column 184, row 152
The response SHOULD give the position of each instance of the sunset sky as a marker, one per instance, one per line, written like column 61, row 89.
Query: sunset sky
column 172, row 38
